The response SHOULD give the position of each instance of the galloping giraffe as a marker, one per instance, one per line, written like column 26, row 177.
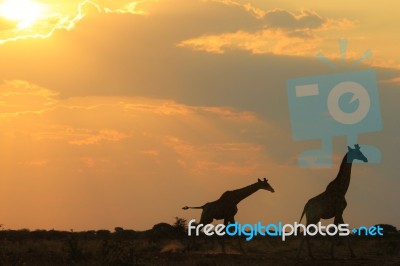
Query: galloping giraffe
column 226, row 206
column 331, row 203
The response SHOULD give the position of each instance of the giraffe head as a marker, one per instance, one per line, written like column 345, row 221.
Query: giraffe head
column 355, row 153
column 264, row 185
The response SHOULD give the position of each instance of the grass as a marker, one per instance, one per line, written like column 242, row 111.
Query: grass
column 159, row 247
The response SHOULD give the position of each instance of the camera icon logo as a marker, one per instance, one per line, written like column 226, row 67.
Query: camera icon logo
column 340, row 104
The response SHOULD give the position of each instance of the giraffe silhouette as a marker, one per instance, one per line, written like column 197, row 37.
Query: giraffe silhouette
column 225, row 208
column 331, row 203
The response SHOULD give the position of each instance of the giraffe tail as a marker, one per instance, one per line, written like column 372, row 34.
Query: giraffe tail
column 304, row 211
column 301, row 217
column 187, row 207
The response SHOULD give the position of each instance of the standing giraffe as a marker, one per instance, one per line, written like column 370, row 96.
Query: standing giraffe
column 226, row 206
column 331, row 203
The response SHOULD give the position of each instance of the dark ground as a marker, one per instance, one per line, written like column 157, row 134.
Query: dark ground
column 165, row 245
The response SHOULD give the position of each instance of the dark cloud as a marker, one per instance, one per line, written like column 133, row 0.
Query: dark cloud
column 279, row 18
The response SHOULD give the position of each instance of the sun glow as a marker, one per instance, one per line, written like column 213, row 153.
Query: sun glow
column 24, row 12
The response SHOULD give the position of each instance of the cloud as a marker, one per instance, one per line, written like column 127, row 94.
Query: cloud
column 257, row 12
column 19, row 97
column 394, row 81
column 280, row 18
column 306, row 19
column 64, row 16
column 280, row 32
column 268, row 41
column 165, row 108
column 89, row 138
column 236, row 158
column 97, row 121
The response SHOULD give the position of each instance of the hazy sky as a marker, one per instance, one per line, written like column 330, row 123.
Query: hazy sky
column 118, row 113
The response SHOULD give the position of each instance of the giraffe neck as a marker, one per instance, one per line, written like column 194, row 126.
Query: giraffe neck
column 242, row 193
column 342, row 181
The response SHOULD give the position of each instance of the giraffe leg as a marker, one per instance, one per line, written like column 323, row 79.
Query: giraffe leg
column 339, row 220
column 349, row 244
column 309, row 247
column 238, row 238
column 240, row 245
column 191, row 244
column 192, row 239
column 222, row 241
column 300, row 248
column 305, row 239
column 226, row 222
column 352, row 254
column 332, row 246
column 337, row 240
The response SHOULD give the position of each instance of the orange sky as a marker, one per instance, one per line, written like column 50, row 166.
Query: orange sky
column 118, row 113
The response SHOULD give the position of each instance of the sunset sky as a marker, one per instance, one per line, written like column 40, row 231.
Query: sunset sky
column 119, row 113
